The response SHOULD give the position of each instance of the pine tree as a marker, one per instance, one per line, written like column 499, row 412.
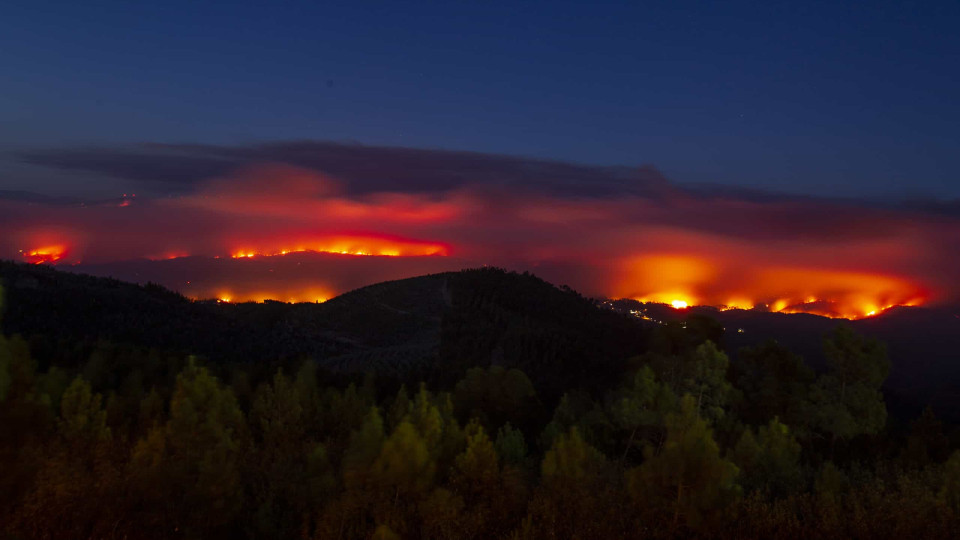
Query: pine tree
column 847, row 399
column 688, row 479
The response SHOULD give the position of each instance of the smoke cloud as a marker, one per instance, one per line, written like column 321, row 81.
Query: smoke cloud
column 305, row 221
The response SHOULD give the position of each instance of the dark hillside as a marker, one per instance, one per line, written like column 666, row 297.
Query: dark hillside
column 434, row 326
column 41, row 301
column 923, row 345
column 556, row 336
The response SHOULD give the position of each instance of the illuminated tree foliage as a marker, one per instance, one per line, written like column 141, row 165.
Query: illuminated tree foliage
column 847, row 399
column 768, row 461
column 190, row 467
column 774, row 382
column 687, row 479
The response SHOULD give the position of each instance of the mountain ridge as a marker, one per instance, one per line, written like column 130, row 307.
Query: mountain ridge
column 436, row 326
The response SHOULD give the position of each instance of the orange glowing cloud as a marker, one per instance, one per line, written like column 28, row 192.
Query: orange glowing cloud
column 281, row 192
column 687, row 280
column 667, row 279
column 301, row 234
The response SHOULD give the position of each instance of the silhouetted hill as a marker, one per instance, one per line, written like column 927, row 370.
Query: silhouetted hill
column 435, row 327
column 432, row 327
column 923, row 345
column 62, row 306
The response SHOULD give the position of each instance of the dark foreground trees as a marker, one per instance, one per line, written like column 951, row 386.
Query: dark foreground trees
column 688, row 443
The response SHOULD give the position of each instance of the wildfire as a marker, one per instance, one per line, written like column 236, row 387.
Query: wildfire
column 737, row 303
column 294, row 296
column 681, row 281
column 46, row 254
column 354, row 245
column 839, row 310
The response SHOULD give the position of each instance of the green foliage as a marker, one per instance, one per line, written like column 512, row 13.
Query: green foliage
column 571, row 461
column 277, row 413
column 511, row 445
column 340, row 412
column 847, row 399
column 769, row 461
column 688, row 479
column 400, row 408
column 774, row 382
column 425, row 416
column 404, row 467
column 495, row 396
column 83, row 422
column 950, row 490
column 700, row 372
column 635, row 404
column 292, row 473
column 191, row 464
column 111, row 440
column 707, row 380
column 640, row 406
column 578, row 409
column 19, row 367
column 477, row 467
column 364, row 447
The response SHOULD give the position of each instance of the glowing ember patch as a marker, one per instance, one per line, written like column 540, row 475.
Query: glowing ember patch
column 46, row 254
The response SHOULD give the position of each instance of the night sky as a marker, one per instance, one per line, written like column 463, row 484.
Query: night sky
column 747, row 147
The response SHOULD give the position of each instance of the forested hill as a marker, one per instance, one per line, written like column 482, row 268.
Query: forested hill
column 63, row 307
column 430, row 327
column 472, row 404
column 434, row 327
column 923, row 344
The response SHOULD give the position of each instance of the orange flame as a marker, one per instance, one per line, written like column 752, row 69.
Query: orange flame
column 681, row 280
column 308, row 294
column 353, row 245
column 46, row 254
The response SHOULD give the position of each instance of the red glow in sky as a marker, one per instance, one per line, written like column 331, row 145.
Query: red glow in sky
column 685, row 280
column 825, row 257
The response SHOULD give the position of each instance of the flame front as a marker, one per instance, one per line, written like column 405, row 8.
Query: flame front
column 46, row 254
column 311, row 294
column 681, row 280
column 351, row 245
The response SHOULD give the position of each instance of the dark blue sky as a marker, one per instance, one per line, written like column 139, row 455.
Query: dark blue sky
column 805, row 97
